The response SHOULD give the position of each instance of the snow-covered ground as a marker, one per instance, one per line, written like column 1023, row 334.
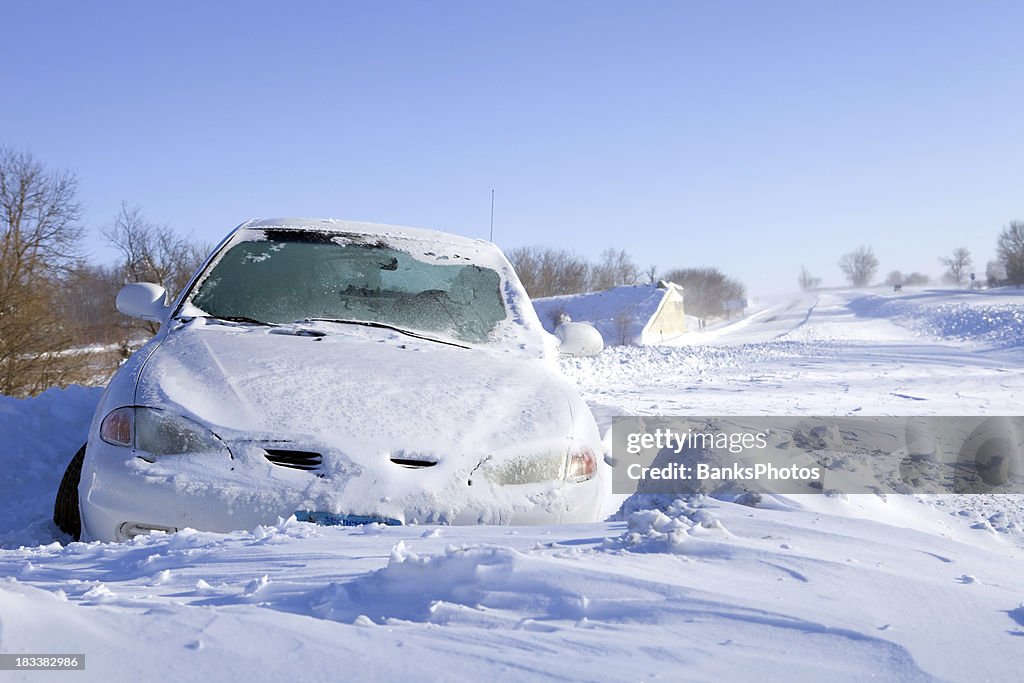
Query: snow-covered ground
column 922, row 353
column 800, row 588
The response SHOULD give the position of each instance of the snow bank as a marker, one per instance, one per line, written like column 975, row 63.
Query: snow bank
column 619, row 314
column 38, row 436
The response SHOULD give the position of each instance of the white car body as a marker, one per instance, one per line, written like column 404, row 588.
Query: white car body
column 342, row 422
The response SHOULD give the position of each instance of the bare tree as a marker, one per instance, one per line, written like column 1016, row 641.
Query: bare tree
column 40, row 233
column 615, row 268
column 859, row 266
column 1010, row 251
column 624, row 321
column 957, row 265
column 706, row 291
column 808, row 282
column 549, row 272
column 153, row 253
column 894, row 279
column 651, row 274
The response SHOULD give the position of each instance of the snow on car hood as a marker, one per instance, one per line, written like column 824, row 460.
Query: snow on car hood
column 360, row 397
column 363, row 390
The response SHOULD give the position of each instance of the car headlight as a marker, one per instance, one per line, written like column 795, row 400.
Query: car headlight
column 580, row 465
column 526, row 469
column 159, row 432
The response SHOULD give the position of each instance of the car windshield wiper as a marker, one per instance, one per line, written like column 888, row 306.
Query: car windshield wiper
column 238, row 319
column 384, row 326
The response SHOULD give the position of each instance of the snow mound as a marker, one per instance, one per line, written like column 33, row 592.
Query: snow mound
column 485, row 585
column 666, row 527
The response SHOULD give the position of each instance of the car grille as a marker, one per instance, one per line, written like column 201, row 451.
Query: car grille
column 413, row 463
column 296, row 460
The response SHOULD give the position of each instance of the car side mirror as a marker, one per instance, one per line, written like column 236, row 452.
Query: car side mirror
column 143, row 300
column 578, row 339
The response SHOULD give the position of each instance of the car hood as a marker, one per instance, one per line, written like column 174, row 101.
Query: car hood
column 361, row 389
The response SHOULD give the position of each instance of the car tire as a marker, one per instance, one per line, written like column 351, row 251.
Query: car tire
column 66, row 514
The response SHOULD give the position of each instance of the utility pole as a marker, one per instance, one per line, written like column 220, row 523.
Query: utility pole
column 492, row 214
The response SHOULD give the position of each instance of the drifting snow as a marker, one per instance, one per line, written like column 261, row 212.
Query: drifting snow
column 763, row 588
column 989, row 318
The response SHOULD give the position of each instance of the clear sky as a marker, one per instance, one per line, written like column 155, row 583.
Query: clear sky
column 752, row 136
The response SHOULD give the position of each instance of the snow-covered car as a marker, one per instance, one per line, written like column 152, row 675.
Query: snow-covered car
column 345, row 373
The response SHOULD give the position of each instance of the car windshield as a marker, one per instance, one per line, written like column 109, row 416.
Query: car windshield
column 297, row 276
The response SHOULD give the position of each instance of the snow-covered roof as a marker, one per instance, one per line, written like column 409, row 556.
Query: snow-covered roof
column 335, row 225
column 609, row 310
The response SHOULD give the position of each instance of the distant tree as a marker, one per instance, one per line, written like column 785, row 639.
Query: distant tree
column 549, row 272
column 995, row 274
column 859, row 266
column 706, row 290
column 651, row 274
column 894, row 279
column 615, row 268
column 916, row 279
column 957, row 265
column 1010, row 251
column 40, row 234
column 808, row 282
column 88, row 303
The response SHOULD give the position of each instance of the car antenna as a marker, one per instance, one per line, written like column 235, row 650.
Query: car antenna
column 492, row 215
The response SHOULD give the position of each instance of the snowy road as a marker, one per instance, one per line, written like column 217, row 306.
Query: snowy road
column 822, row 355
column 897, row 588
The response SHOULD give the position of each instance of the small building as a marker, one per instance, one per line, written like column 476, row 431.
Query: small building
column 630, row 314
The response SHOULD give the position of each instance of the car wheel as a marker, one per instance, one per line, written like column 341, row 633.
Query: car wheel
column 65, row 509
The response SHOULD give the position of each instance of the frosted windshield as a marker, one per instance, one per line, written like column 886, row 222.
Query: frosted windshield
column 293, row 278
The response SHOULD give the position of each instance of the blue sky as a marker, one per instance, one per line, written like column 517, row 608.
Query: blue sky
column 752, row 136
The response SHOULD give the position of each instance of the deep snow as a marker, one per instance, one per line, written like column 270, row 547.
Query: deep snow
column 896, row 588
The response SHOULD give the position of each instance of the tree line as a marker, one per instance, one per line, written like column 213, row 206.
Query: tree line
column 861, row 265
column 58, row 323
column 547, row 271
